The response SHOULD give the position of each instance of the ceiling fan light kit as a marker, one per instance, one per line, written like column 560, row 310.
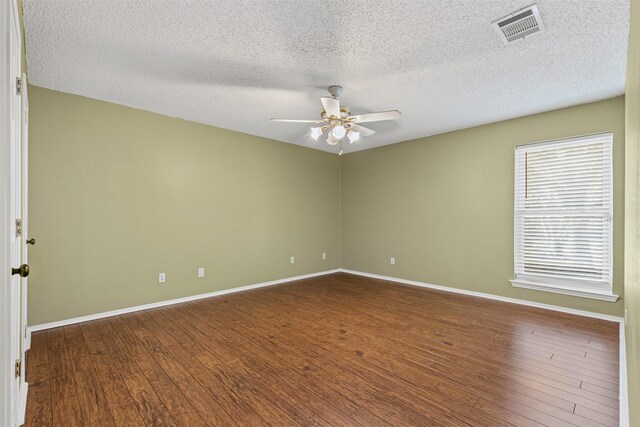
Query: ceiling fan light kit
column 338, row 121
column 339, row 131
column 353, row 136
column 316, row 132
column 331, row 140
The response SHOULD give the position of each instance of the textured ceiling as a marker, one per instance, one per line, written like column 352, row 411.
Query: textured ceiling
column 236, row 64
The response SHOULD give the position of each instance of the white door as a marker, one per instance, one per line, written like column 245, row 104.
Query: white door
column 15, row 218
column 22, row 406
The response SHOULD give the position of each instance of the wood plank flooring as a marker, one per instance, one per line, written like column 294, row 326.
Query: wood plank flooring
column 337, row 350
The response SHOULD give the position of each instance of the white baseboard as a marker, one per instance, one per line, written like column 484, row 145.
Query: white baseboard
column 102, row 315
column 488, row 296
column 624, row 397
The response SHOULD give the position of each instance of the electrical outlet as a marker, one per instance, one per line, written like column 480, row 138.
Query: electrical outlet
column 292, row 260
column 200, row 271
column 392, row 260
column 162, row 277
column 324, row 255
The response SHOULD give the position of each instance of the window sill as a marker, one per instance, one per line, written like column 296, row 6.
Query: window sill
column 545, row 287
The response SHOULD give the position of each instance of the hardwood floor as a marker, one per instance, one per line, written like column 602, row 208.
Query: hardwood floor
column 334, row 350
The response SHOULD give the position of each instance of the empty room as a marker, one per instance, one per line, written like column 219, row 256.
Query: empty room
column 320, row 213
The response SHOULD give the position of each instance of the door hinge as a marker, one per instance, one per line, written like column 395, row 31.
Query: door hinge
column 18, row 86
column 18, row 227
column 18, row 368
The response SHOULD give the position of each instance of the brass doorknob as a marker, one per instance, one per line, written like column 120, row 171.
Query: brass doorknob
column 23, row 270
column 31, row 241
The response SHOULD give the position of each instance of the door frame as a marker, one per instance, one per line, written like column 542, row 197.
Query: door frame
column 12, row 392
column 5, row 175
column 25, row 338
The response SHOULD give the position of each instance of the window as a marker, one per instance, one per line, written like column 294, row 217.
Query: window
column 563, row 217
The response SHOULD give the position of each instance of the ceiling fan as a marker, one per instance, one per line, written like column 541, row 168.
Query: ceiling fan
column 337, row 119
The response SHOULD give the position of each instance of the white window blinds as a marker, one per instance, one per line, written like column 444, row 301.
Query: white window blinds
column 563, row 213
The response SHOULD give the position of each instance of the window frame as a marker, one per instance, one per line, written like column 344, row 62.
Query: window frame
column 575, row 287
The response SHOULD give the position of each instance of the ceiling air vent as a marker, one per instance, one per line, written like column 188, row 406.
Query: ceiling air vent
column 519, row 25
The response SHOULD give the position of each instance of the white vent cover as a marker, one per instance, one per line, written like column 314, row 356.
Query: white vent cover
column 519, row 25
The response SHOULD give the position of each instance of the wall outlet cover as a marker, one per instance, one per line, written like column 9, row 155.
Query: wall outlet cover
column 162, row 277
column 324, row 255
column 200, row 271
column 292, row 260
column 392, row 260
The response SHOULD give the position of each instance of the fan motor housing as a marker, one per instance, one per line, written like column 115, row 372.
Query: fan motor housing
column 344, row 112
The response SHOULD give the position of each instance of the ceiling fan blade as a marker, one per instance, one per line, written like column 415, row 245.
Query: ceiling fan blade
column 331, row 106
column 362, row 130
column 377, row 117
column 297, row 121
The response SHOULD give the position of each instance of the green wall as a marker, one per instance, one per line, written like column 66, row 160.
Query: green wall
column 632, row 224
column 443, row 205
column 118, row 195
